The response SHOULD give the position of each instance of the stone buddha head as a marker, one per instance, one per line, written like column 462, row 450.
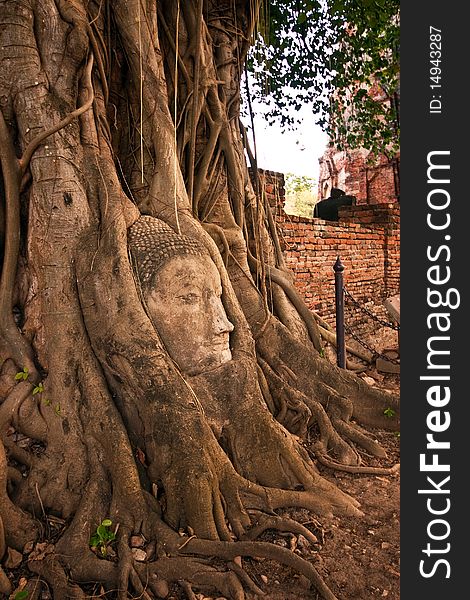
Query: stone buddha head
column 182, row 291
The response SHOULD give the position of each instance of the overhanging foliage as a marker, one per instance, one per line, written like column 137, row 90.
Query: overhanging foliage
column 342, row 57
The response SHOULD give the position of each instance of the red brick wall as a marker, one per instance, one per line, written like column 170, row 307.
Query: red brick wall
column 367, row 238
column 369, row 253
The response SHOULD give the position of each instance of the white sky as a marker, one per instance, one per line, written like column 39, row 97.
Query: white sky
column 289, row 151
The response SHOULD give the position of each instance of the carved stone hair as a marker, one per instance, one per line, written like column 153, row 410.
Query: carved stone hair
column 152, row 243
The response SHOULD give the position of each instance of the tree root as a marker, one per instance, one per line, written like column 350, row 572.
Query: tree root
column 229, row 551
column 19, row 526
column 279, row 524
column 323, row 498
column 180, row 559
column 318, row 378
column 51, row 570
column 5, row 585
column 333, row 423
column 325, row 460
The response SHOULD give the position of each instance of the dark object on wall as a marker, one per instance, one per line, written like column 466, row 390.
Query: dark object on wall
column 328, row 209
column 337, row 193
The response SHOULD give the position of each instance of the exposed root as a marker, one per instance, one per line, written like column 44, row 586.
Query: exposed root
column 51, row 570
column 5, row 585
column 122, row 395
column 19, row 526
column 279, row 524
column 12, row 404
column 324, row 459
column 323, row 499
column 330, row 428
column 277, row 276
column 354, row 433
column 245, row 578
column 229, row 551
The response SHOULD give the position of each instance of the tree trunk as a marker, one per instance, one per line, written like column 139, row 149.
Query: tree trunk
column 110, row 111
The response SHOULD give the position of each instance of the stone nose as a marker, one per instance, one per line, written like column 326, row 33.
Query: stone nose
column 221, row 323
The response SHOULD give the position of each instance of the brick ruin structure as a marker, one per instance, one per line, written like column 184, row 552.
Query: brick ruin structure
column 371, row 181
column 366, row 237
column 351, row 171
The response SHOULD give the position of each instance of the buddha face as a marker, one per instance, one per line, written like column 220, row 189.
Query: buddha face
column 186, row 307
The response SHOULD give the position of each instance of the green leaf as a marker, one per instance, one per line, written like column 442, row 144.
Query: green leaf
column 24, row 374
column 94, row 541
column 106, row 522
column 38, row 389
column 21, row 595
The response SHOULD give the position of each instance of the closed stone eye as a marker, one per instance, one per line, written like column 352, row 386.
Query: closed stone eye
column 190, row 298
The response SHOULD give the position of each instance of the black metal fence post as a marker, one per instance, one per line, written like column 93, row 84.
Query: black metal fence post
column 339, row 303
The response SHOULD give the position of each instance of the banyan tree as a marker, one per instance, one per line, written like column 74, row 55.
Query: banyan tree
column 154, row 352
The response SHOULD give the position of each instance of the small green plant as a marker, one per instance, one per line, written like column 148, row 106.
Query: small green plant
column 102, row 537
column 389, row 412
column 22, row 375
column 322, row 352
column 38, row 389
column 57, row 410
column 21, row 595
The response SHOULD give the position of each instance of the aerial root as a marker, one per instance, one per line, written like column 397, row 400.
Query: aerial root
column 285, row 404
column 139, row 586
column 12, row 404
column 330, row 438
column 296, row 412
column 320, row 497
column 128, row 575
column 325, row 499
column 188, row 590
